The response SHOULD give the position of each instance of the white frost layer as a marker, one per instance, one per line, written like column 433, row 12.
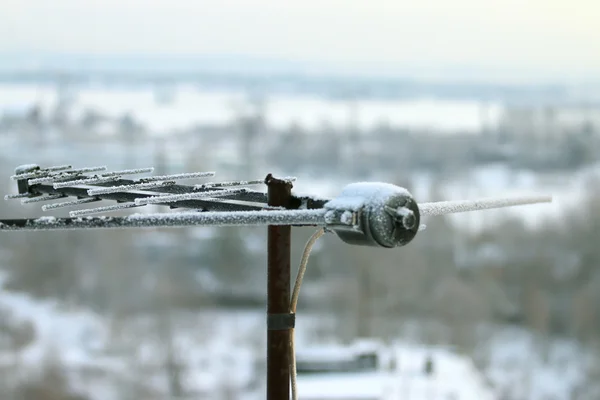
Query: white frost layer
column 97, row 210
column 125, row 188
column 134, row 171
column 63, row 175
column 47, row 207
column 451, row 207
column 58, row 168
column 185, row 175
column 233, row 218
column 21, row 169
column 185, row 196
column 16, row 196
column 357, row 195
column 42, row 198
column 229, row 183
column 86, row 181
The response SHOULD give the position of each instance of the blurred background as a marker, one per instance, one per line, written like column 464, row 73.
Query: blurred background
column 450, row 99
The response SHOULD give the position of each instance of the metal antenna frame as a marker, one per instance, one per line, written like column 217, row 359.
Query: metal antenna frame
column 216, row 204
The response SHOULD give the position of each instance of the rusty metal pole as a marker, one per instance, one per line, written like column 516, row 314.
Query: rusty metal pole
column 278, row 296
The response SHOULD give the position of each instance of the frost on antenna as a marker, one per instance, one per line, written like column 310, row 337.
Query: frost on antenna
column 97, row 210
column 135, row 171
column 233, row 218
column 365, row 194
column 21, row 169
column 61, row 176
column 186, row 196
column 42, row 198
column 47, row 207
column 58, row 168
column 28, row 171
column 210, row 185
column 86, row 181
column 186, row 175
column 451, row 207
column 384, row 214
column 17, row 196
column 124, row 188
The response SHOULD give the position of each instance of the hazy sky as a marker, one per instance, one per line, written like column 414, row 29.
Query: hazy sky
column 559, row 38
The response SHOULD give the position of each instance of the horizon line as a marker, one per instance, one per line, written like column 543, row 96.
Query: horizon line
column 248, row 64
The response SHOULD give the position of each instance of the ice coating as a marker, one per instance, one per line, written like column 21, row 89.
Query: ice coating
column 104, row 178
column 63, row 175
column 310, row 196
column 28, row 171
column 17, row 196
column 358, row 195
column 451, row 207
column 59, row 168
column 30, row 175
column 97, row 210
column 47, row 207
column 209, row 185
column 233, row 218
column 125, row 188
column 134, row 171
column 47, row 178
column 185, row 196
column 86, row 181
column 185, row 175
column 21, row 169
column 346, row 218
column 378, row 223
column 42, row 198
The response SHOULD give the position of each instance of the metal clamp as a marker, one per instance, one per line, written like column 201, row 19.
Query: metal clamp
column 281, row 322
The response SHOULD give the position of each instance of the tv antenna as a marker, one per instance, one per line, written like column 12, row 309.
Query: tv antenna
column 368, row 214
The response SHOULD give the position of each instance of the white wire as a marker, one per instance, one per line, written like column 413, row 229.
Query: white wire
column 294, row 302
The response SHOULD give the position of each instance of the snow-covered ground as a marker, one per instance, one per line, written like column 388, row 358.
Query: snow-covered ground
column 402, row 375
column 518, row 371
column 218, row 349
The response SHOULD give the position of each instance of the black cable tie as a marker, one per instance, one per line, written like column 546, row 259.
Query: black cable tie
column 281, row 322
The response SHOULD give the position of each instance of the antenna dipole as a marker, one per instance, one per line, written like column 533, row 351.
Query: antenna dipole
column 368, row 214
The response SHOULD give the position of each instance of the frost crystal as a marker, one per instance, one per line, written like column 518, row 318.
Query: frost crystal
column 42, row 198
column 358, row 195
column 209, row 185
column 21, row 169
column 346, row 218
column 185, row 196
column 233, row 218
column 59, row 185
column 47, row 207
column 129, row 172
column 124, row 188
column 65, row 175
column 450, row 207
column 116, row 207
column 16, row 196
column 187, row 175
